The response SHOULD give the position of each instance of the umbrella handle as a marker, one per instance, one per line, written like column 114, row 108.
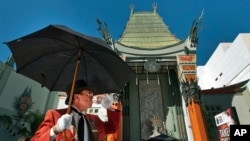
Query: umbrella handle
column 73, row 84
column 71, row 137
column 70, row 100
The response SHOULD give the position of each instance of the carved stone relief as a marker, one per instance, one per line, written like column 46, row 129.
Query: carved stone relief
column 150, row 98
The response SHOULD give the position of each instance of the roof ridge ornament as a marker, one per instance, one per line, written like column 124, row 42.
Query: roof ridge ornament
column 194, row 31
column 154, row 5
column 132, row 7
column 104, row 31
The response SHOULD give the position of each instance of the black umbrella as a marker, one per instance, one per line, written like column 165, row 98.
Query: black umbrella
column 163, row 137
column 50, row 55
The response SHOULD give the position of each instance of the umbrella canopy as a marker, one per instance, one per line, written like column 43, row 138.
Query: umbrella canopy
column 49, row 56
column 163, row 137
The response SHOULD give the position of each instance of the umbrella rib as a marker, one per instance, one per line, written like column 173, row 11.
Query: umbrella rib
column 56, row 39
column 59, row 40
column 84, row 59
column 58, row 76
column 70, row 60
column 109, row 73
column 78, row 59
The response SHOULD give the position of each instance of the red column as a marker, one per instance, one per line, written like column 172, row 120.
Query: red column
column 197, row 121
column 118, row 135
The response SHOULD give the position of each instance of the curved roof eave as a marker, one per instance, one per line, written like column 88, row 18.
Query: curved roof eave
column 158, row 48
column 238, row 87
column 164, row 51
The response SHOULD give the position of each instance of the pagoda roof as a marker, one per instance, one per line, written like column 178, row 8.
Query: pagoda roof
column 235, row 88
column 147, row 30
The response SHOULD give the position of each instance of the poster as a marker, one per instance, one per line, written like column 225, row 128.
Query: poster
column 223, row 121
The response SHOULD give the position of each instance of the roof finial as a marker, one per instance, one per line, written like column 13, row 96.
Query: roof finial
column 104, row 31
column 193, row 35
column 154, row 5
column 132, row 7
column 201, row 16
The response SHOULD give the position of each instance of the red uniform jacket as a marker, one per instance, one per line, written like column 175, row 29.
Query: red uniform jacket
column 103, row 128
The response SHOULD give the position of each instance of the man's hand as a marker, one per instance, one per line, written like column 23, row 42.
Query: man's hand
column 107, row 101
column 64, row 122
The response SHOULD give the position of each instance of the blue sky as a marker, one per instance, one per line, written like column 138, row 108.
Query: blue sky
column 223, row 20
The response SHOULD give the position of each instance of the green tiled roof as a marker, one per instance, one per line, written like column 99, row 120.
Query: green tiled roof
column 147, row 30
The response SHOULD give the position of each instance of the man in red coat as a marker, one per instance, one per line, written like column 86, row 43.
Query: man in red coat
column 60, row 126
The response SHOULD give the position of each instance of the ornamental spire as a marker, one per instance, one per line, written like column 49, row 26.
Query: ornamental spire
column 132, row 7
column 154, row 5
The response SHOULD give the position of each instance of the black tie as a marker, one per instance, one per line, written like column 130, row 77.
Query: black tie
column 80, row 130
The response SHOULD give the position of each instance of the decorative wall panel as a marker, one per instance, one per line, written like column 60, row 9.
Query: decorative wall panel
column 150, row 98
